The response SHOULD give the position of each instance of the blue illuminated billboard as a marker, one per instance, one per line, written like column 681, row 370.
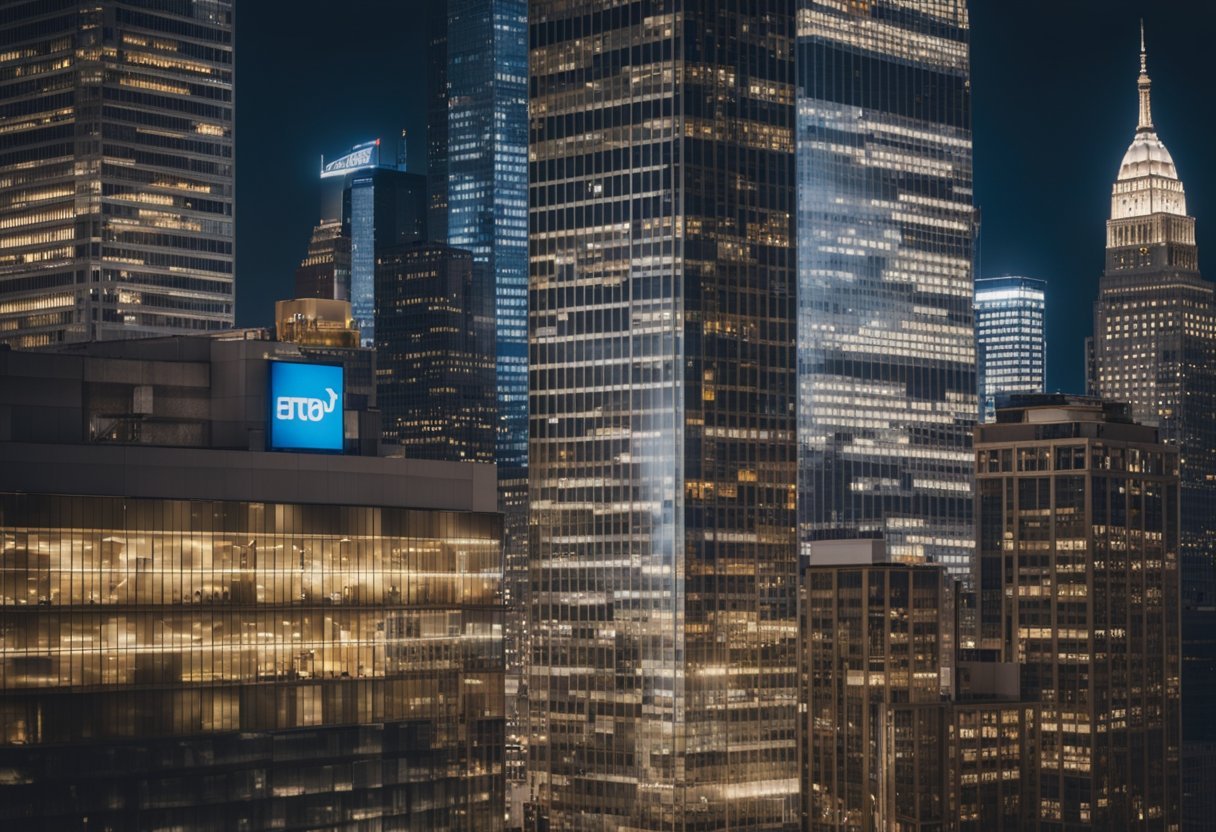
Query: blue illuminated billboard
column 305, row 407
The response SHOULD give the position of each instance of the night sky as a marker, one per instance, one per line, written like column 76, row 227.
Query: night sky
column 1054, row 109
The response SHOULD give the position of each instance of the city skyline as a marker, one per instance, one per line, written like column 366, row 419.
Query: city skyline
column 652, row 428
column 1079, row 78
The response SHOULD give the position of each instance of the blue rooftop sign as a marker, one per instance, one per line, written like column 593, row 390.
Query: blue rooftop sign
column 305, row 404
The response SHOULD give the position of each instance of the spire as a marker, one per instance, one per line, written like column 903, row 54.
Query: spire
column 1143, row 54
column 1146, row 108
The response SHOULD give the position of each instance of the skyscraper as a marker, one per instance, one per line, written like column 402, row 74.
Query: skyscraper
column 477, row 156
column 117, row 171
column 382, row 206
column 894, row 624
column 898, row 729
column 487, row 186
column 1078, row 579
column 1010, row 338
column 663, row 462
column 435, row 354
column 1154, row 346
column 886, row 356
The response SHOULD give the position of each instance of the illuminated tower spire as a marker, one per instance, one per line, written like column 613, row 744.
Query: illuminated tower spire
column 1146, row 108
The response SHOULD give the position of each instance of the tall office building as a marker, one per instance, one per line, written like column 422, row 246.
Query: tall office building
column 487, row 185
column 662, row 394
column 325, row 270
column 381, row 206
column 205, row 626
column 435, row 354
column 116, row 169
column 897, row 728
column 1154, row 346
column 477, row 156
column 892, row 625
column 1010, row 338
column 1078, row 577
column 886, row 356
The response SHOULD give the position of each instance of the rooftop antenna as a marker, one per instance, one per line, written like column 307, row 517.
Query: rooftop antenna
column 1144, row 85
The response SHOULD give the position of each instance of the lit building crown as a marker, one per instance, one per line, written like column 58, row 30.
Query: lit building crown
column 1148, row 182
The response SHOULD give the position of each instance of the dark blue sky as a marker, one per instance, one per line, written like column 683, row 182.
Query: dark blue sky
column 1054, row 108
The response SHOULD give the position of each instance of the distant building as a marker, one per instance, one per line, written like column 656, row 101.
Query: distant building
column 477, row 170
column 1078, row 584
column 1154, row 346
column 209, row 625
column 1011, row 340
column 325, row 271
column 382, row 206
column 116, row 170
column 435, row 354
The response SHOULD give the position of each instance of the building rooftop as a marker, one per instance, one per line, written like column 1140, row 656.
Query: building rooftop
column 191, row 417
column 1036, row 408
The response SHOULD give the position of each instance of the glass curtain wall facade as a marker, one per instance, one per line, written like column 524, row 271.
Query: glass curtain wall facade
column 382, row 208
column 359, row 221
column 1078, row 562
column 886, row 341
column 487, row 186
column 437, row 120
column 116, row 170
column 477, row 166
column 1010, row 338
column 662, row 685
column 228, row 665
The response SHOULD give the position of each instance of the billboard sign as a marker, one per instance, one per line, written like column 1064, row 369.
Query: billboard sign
column 305, row 407
column 360, row 156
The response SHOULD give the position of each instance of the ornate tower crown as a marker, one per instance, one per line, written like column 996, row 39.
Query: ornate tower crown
column 1148, row 182
column 1149, row 230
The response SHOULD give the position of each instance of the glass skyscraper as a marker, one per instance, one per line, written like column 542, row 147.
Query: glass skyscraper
column 487, row 175
column 1010, row 338
column 477, row 156
column 382, row 206
column 886, row 343
column 662, row 687
column 116, row 169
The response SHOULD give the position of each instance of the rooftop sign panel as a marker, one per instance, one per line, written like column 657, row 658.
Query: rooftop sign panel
column 361, row 156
